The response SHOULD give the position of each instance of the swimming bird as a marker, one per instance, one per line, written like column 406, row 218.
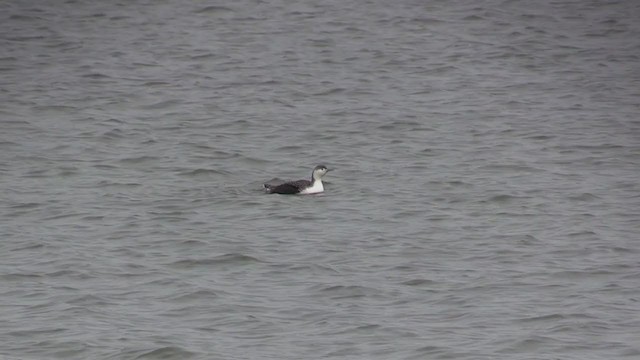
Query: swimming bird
column 301, row 186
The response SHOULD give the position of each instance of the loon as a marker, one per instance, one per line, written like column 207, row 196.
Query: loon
column 301, row 186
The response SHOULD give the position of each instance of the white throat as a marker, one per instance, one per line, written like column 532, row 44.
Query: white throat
column 316, row 188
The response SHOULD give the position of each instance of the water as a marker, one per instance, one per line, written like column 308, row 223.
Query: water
column 484, row 203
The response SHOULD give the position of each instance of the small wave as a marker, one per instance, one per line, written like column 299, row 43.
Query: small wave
column 32, row 333
column 408, row 214
column 400, row 125
column 96, row 76
column 57, row 108
column 418, row 282
column 531, row 344
column 39, row 173
column 30, row 205
column 202, row 57
column 504, row 198
column 19, row 276
column 156, row 84
column 456, row 183
column 540, row 137
column 234, row 259
column 89, row 300
column 347, row 291
column 201, row 172
column 7, row 143
column 93, row 218
column 427, row 20
column 550, row 317
column 585, row 274
column 554, row 317
column 24, row 17
column 511, row 167
column 330, row 92
column 310, row 268
column 213, row 9
column 473, row 18
column 62, row 216
column 587, row 233
column 109, row 183
column 113, row 134
column 253, row 160
column 191, row 242
column 138, row 159
column 166, row 352
column 194, row 296
column 366, row 329
column 430, row 350
column 292, row 148
column 161, row 105
column 216, row 154
column 584, row 197
column 68, row 171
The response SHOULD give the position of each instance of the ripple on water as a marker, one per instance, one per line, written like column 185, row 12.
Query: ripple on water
column 165, row 352
column 201, row 172
column 226, row 260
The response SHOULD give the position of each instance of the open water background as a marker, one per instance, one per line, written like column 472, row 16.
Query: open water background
column 485, row 202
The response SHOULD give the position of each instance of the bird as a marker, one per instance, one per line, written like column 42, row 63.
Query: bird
column 301, row 187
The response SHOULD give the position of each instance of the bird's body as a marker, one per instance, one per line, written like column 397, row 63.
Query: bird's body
column 302, row 187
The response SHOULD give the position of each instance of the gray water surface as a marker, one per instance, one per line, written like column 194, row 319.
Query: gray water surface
column 484, row 204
